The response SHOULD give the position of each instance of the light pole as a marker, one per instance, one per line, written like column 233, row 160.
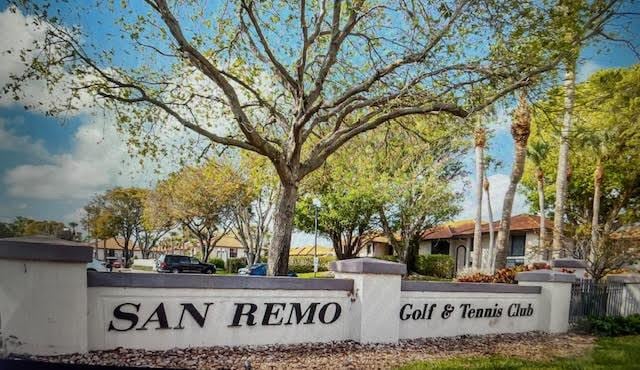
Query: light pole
column 316, row 206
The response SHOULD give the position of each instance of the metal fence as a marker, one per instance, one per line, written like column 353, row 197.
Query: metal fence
column 589, row 298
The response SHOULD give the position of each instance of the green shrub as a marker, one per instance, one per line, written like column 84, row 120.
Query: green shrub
column 611, row 326
column 388, row 258
column 302, row 264
column 438, row 265
column 233, row 264
column 218, row 262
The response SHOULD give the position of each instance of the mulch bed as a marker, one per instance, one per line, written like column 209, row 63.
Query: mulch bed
column 342, row 355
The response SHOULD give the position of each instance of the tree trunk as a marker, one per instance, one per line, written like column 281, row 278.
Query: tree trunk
column 597, row 195
column 563, row 159
column 543, row 233
column 520, row 130
column 491, row 264
column 282, row 229
column 480, row 139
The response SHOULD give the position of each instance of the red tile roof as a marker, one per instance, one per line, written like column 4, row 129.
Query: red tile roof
column 465, row 227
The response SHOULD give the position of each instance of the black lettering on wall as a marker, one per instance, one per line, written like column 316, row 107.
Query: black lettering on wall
column 323, row 312
column 251, row 320
column 160, row 317
column 195, row 314
column 119, row 314
column 271, row 312
column 407, row 306
column 296, row 308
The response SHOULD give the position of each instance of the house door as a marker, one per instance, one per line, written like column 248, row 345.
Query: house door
column 461, row 257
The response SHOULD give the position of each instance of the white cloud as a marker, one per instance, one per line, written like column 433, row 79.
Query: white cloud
column 498, row 185
column 12, row 142
column 586, row 69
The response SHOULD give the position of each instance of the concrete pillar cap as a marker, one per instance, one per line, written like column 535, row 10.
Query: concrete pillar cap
column 569, row 263
column 368, row 266
column 545, row 276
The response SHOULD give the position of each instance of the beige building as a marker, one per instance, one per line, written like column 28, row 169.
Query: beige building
column 456, row 239
column 227, row 247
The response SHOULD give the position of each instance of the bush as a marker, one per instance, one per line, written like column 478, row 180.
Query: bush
column 234, row 264
column 302, row 264
column 505, row 275
column 438, row 265
column 388, row 258
column 611, row 326
column 218, row 262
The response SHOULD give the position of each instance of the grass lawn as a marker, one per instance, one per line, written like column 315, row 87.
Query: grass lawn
column 609, row 353
column 309, row 275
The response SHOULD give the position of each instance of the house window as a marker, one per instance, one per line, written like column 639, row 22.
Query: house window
column 440, row 247
column 517, row 245
column 369, row 249
column 233, row 252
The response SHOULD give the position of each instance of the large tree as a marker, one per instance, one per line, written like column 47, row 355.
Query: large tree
column 274, row 77
column 253, row 218
column 350, row 197
column 202, row 199
column 604, row 193
column 416, row 167
column 116, row 214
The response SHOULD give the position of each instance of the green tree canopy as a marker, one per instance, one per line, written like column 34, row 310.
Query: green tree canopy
column 606, row 114
column 202, row 199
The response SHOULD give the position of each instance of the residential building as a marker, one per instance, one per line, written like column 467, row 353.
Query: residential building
column 456, row 239
column 309, row 251
column 112, row 248
column 377, row 247
column 227, row 247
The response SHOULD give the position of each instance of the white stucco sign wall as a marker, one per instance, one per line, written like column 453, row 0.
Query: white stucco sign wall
column 157, row 318
column 49, row 304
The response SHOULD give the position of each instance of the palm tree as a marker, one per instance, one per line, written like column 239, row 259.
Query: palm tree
column 563, row 157
column 491, row 264
column 520, row 129
column 537, row 152
column 480, row 142
column 73, row 226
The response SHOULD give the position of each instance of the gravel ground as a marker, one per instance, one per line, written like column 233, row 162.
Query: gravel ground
column 341, row 355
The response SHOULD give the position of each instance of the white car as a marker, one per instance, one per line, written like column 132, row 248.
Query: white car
column 96, row 265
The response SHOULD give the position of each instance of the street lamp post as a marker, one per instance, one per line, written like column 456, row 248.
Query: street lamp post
column 316, row 206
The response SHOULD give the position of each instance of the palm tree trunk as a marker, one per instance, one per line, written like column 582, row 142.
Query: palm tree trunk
column 480, row 139
column 597, row 195
column 520, row 129
column 491, row 264
column 563, row 159
column 542, row 234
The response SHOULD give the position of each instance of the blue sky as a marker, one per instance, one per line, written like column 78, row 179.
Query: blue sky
column 49, row 167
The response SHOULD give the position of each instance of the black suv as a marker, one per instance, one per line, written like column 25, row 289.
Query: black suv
column 176, row 264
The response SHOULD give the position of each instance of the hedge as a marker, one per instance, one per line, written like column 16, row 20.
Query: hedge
column 234, row 264
column 611, row 326
column 302, row 264
column 388, row 258
column 438, row 265
column 218, row 262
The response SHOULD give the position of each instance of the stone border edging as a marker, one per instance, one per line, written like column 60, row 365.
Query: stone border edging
column 44, row 249
column 367, row 265
column 199, row 281
column 433, row 286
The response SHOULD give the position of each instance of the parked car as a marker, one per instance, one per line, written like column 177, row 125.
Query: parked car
column 97, row 265
column 259, row 269
column 177, row 264
column 113, row 262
